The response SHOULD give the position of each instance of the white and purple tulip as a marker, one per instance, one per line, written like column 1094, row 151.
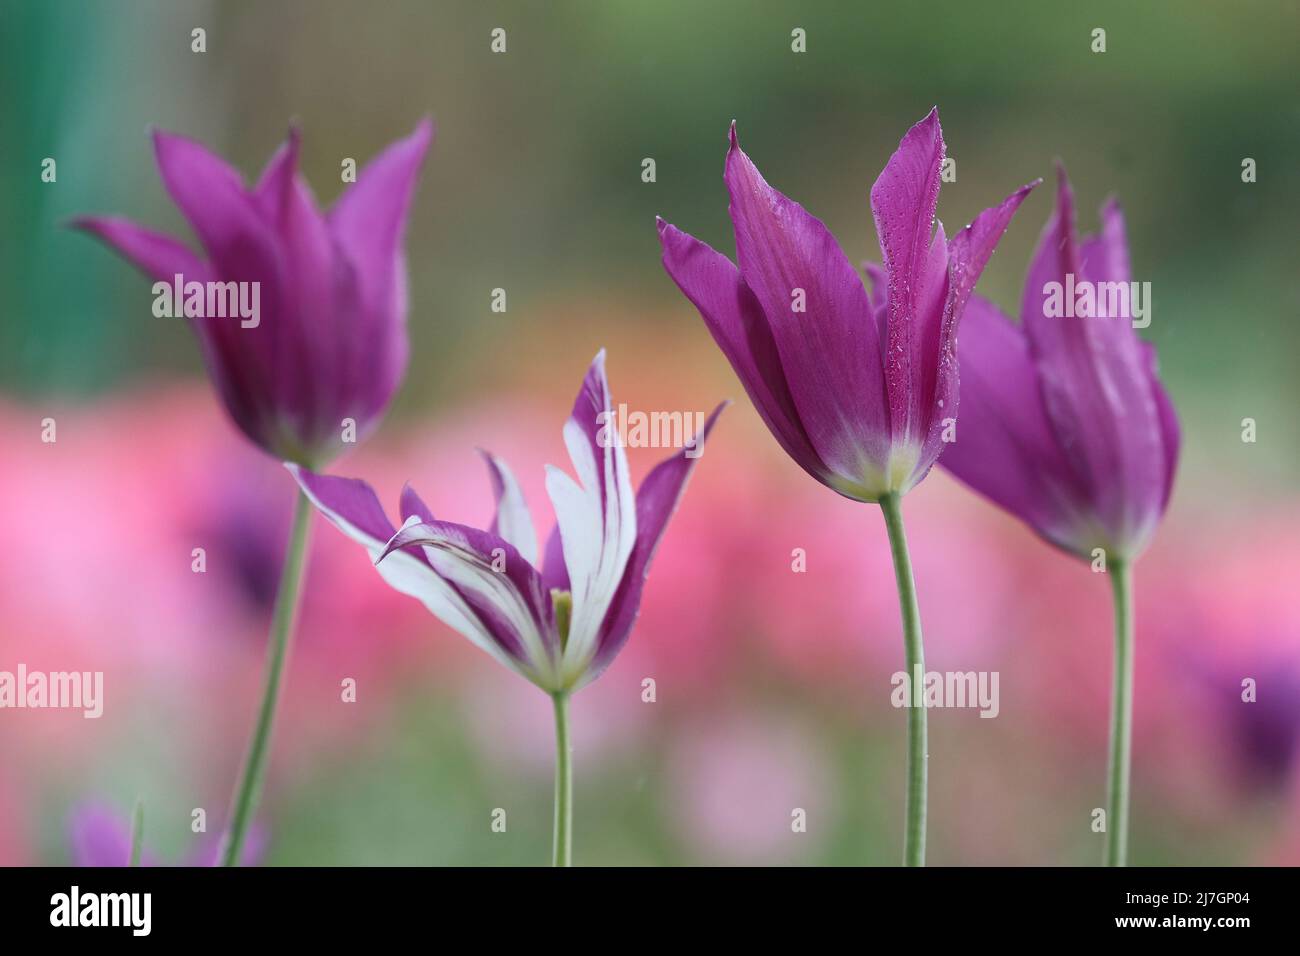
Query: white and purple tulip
column 558, row 621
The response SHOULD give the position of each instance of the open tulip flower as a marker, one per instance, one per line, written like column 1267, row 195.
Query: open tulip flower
column 301, row 319
column 1066, row 425
column 858, row 387
column 558, row 621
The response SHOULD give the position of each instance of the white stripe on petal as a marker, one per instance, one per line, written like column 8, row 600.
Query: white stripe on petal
column 408, row 575
column 514, row 523
column 468, row 571
column 598, row 536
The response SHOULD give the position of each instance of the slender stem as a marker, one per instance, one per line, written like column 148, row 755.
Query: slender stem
column 1121, row 717
column 914, row 656
column 137, row 833
column 286, row 607
column 563, row 854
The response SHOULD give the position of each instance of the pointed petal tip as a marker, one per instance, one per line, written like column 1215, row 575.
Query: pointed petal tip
column 98, row 226
column 712, row 419
column 89, row 224
column 1062, row 178
column 1011, row 203
column 164, row 139
column 929, row 123
column 1064, row 197
column 424, row 132
column 393, row 542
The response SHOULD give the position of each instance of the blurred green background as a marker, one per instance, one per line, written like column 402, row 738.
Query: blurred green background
column 534, row 185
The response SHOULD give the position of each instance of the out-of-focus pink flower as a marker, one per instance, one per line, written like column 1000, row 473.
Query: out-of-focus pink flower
column 165, row 602
column 514, row 730
column 1232, row 625
column 741, row 788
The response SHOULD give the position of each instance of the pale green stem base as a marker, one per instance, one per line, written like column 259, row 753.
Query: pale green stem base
column 914, row 657
column 1121, row 717
column 249, row 788
column 563, row 852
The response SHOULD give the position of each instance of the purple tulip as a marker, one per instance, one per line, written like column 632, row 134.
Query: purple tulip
column 99, row 838
column 1066, row 425
column 311, row 361
column 559, row 621
column 1064, row 421
column 857, row 387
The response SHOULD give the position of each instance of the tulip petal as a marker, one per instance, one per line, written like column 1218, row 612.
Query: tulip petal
column 596, row 513
column 1005, row 447
column 412, row 505
column 242, row 247
column 1170, row 431
column 968, row 254
column 903, row 201
column 320, row 379
column 352, row 507
column 274, row 187
column 1104, row 257
column 656, row 500
column 879, row 296
column 211, row 195
column 735, row 319
column 504, row 590
column 368, row 222
column 555, row 575
column 158, row 256
column 970, row 250
column 1095, row 382
column 371, row 213
column 831, row 352
column 369, row 219
column 512, row 520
